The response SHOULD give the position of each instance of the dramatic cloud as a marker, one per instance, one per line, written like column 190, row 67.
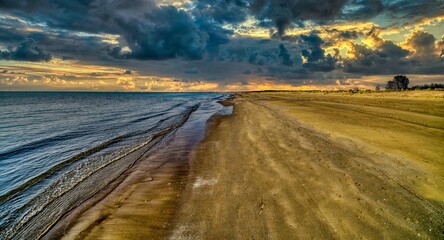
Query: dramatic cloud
column 363, row 9
column 283, row 12
column 149, row 31
column 165, row 33
column 342, row 35
column 216, row 44
column 422, row 43
column 386, row 59
column 222, row 11
column 285, row 57
column 440, row 47
column 26, row 51
column 405, row 12
column 312, row 51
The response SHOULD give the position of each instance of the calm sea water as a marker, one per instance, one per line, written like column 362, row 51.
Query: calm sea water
column 50, row 142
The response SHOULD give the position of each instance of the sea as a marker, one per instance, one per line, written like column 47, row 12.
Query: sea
column 52, row 143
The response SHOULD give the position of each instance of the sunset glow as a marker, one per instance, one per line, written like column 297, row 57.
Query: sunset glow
column 218, row 45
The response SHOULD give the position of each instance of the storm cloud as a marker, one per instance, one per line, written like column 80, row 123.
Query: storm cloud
column 283, row 12
column 162, row 33
column 277, row 40
column 423, row 44
column 150, row 32
column 26, row 51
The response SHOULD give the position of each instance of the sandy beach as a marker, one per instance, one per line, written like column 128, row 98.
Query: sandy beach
column 314, row 166
column 221, row 119
column 287, row 166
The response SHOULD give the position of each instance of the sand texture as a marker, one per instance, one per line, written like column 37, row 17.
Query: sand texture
column 314, row 166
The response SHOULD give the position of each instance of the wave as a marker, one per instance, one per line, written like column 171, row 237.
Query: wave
column 157, row 114
column 52, row 140
column 38, row 144
column 80, row 181
column 55, row 168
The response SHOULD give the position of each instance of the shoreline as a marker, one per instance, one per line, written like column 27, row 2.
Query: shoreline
column 158, row 175
column 56, row 230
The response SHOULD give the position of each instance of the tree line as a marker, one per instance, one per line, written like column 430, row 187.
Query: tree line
column 401, row 82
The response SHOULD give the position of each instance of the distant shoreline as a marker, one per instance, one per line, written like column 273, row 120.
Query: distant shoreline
column 233, row 92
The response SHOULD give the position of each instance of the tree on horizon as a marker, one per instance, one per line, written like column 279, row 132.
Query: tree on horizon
column 399, row 82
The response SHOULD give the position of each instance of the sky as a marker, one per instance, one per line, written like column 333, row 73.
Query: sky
column 218, row 45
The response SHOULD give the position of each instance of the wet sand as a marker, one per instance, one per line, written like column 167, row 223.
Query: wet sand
column 286, row 166
column 314, row 166
column 142, row 202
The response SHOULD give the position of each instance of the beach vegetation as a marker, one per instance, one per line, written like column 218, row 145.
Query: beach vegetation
column 433, row 86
